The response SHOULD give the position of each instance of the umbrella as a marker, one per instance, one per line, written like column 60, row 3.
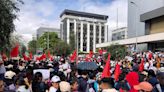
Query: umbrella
column 87, row 66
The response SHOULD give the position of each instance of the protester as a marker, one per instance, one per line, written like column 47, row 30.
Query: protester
column 141, row 71
column 22, row 86
column 122, row 84
column 65, row 86
column 37, row 84
column 55, row 80
column 2, row 69
column 74, row 85
column 1, row 86
column 82, row 81
column 107, row 85
column 9, row 81
column 159, row 87
column 92, row 85
column 144, row 87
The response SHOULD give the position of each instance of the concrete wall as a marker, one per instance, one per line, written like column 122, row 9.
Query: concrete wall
column 134, row 12
column 157, row 25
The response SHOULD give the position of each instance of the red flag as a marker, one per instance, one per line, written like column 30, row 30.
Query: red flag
column 49, row 56
column 15, row 51
column 91, row 54
column 141, row 66
column 30, row 55
column 100, row 51
column 73, row 56
column 106, row 71
column 42, row 57
column 117, row 72
column 38, row 58
column 25, row 57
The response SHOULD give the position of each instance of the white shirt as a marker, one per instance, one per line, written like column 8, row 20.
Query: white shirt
column 22, row 89
column 52, row 89
column 110, row 90
column 146, row 66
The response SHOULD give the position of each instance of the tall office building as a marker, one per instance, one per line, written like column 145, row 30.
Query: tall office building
column 88, row 29
column 136, row 27
column 145, row 26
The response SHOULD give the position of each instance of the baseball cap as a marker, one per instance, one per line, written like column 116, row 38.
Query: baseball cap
column 146, row 86
column 55, row 79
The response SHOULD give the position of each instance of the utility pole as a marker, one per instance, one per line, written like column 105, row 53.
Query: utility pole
column 117, row 20
column 135, row 24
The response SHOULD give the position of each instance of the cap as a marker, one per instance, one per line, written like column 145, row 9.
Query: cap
column 9, row 74
column 65, row 86
column 146, row 86
column 55, row 79
column 9, row 66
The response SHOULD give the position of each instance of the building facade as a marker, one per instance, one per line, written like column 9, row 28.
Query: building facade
column 154, row 24
column 87, row 28
column 42, row 30
column 119, row 34
column 135, row 9
column 136, row 28
column 149, row 26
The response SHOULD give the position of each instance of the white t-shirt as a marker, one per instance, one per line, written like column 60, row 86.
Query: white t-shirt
column 110, row 90
column 52, row 89
column 22, row 89
column 146, row 66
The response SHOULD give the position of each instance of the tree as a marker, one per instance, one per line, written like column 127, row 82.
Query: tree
column 56, row 45
column 117, row 51
column 32, row 46
column 62, row 49
column 8, row 13
column 53, row 39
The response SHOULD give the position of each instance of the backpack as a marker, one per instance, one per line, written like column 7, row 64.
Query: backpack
column 90, row 87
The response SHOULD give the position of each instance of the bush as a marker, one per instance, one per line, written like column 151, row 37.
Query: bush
column 117, row 51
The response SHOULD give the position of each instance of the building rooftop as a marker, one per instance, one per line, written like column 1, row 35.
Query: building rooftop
column 119, row 29
column 152, row 14
column 47, row 28
column 83, row 14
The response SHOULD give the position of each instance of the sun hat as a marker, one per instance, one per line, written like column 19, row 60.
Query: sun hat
column 65, row 86
column 55, row 79
column 9, row 74
column 9, row 66
column 146, row 86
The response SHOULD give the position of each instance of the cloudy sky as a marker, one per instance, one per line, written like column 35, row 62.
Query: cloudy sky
column 36, row 13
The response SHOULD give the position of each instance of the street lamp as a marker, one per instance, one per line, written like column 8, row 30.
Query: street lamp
column 136, row 34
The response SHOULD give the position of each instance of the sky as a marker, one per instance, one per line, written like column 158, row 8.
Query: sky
column 36, row 13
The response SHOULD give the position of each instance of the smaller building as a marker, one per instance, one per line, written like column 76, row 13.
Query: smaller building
column 87, row 29
column 119, row 34
column 42, row 30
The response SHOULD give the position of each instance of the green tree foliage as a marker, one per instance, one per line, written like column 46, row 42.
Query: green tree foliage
column 117, row 51
column 53, row 39
column 8, row 12
column 56, row 45
column 62, row 49
column 32, row 45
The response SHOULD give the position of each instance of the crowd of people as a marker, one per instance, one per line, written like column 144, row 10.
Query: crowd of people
column 139, row 72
